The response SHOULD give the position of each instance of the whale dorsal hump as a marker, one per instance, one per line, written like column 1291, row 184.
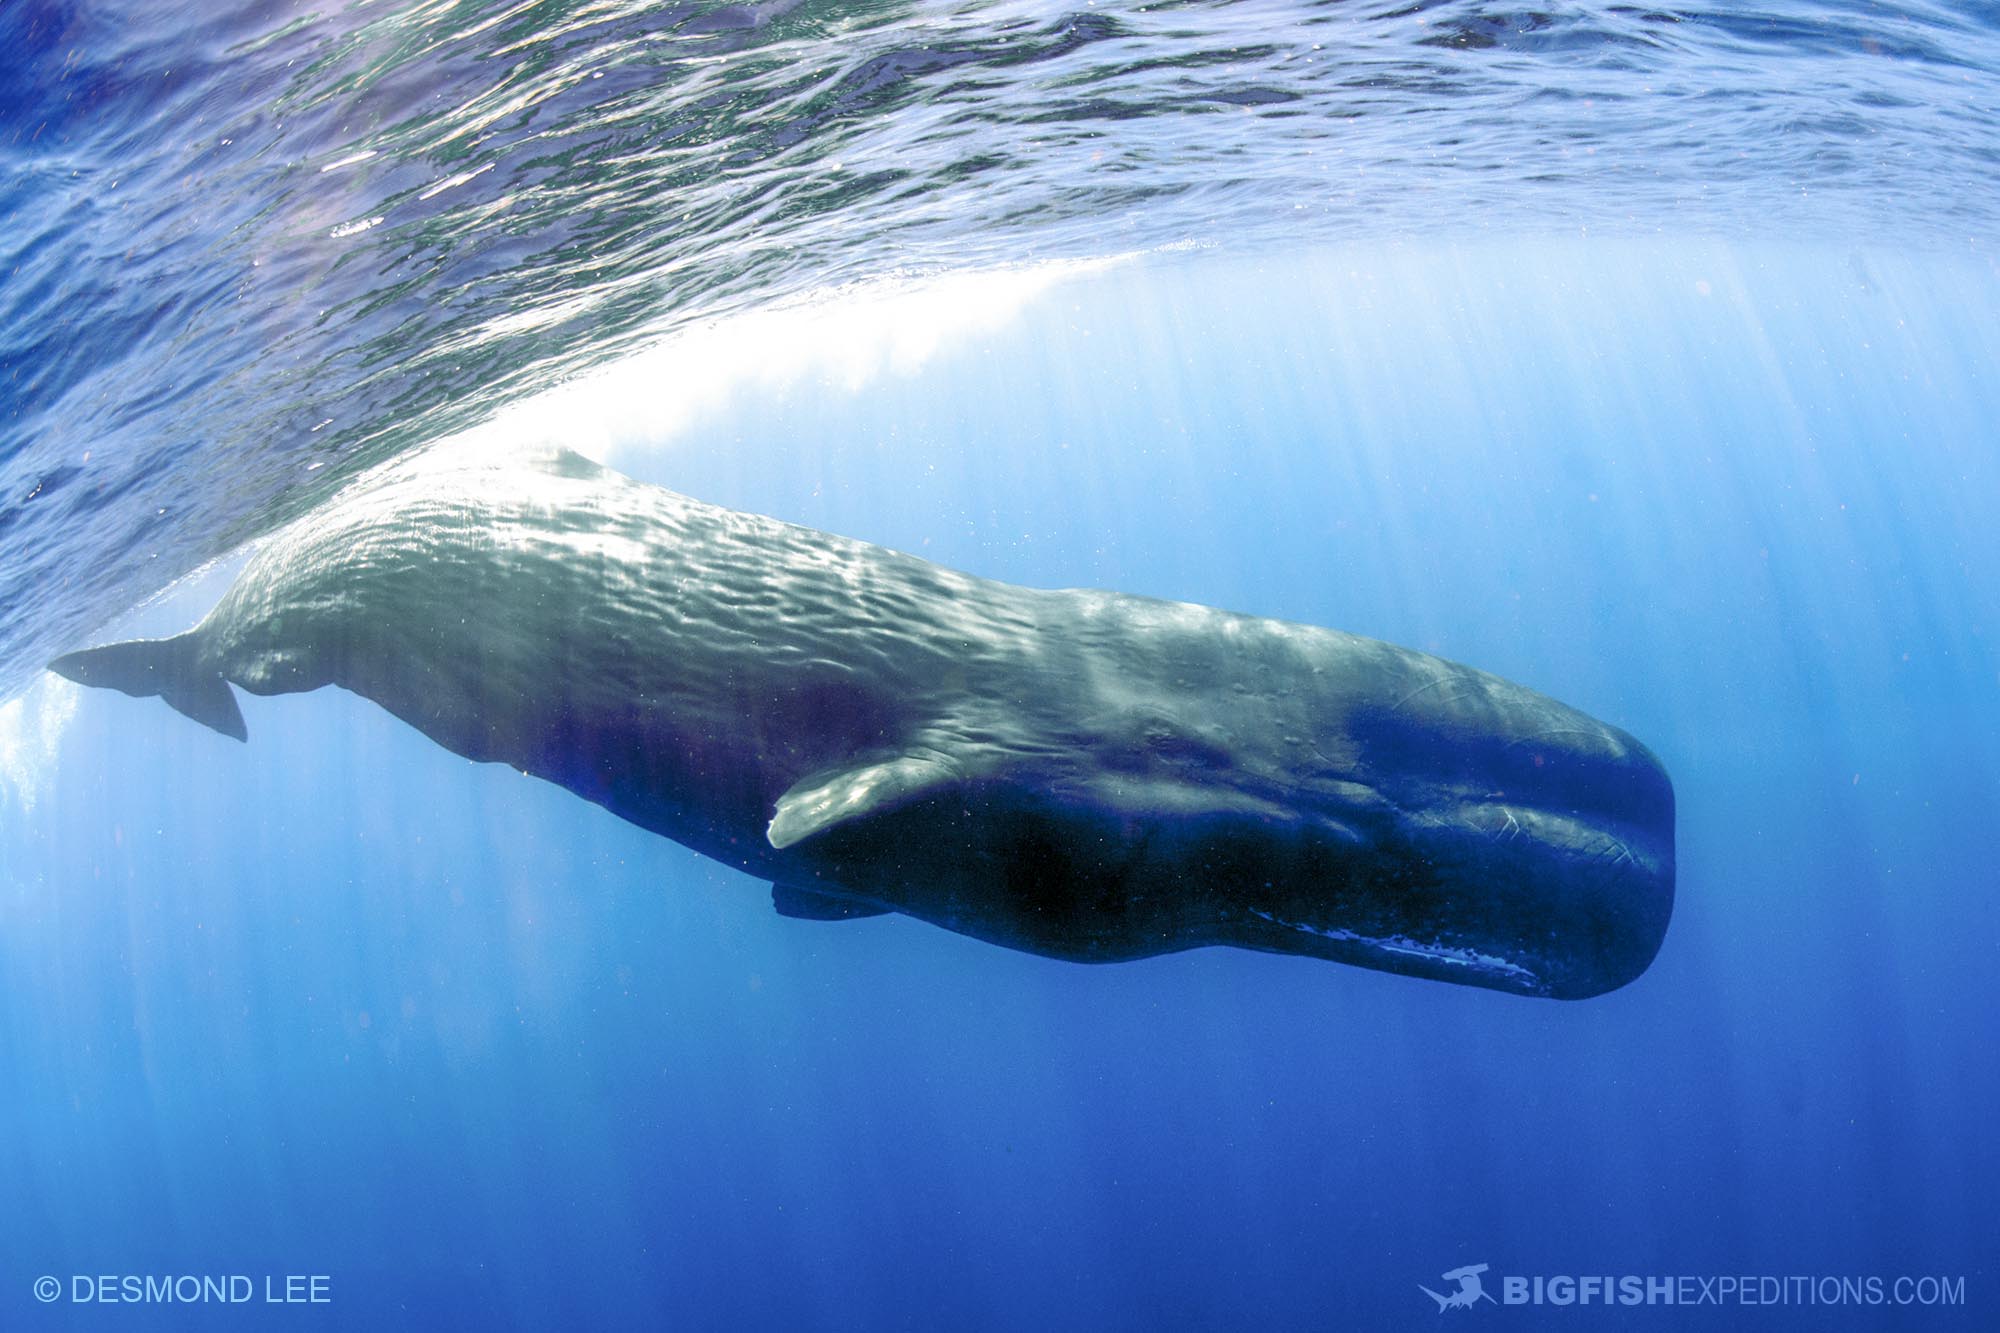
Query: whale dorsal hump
column 863, row 791
column 561, row 462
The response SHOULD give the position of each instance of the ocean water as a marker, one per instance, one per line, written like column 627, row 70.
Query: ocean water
column 1643, row 356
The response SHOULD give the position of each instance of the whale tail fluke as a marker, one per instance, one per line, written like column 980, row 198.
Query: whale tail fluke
column 170, row 668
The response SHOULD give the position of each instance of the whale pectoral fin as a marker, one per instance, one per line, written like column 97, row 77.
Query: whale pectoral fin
column 809, row 905
column 821, row 802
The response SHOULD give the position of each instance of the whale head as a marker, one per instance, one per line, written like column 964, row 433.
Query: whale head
column 1482, row 834
column 1469, row 831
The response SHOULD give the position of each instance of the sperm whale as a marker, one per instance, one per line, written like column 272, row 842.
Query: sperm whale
column 1079, row 774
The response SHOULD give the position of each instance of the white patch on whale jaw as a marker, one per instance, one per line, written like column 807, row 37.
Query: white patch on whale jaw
column 1472, row 963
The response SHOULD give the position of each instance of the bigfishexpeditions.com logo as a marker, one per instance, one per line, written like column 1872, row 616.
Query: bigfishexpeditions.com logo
column 1467, row 1289
column 1470, row 1291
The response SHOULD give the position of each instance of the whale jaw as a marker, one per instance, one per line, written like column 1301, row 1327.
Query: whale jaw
column 1564, row 911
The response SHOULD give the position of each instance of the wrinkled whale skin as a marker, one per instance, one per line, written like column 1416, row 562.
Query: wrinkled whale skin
column 1079, row 774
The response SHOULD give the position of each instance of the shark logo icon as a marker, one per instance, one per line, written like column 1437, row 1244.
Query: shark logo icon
column 1469, row 1292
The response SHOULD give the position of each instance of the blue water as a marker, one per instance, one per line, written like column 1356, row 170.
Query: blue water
column 1701, row 443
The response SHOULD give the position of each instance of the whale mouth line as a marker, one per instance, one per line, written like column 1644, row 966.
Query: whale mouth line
column 1451, row 958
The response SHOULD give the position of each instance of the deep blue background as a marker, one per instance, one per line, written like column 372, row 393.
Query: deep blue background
column 337, row 1001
